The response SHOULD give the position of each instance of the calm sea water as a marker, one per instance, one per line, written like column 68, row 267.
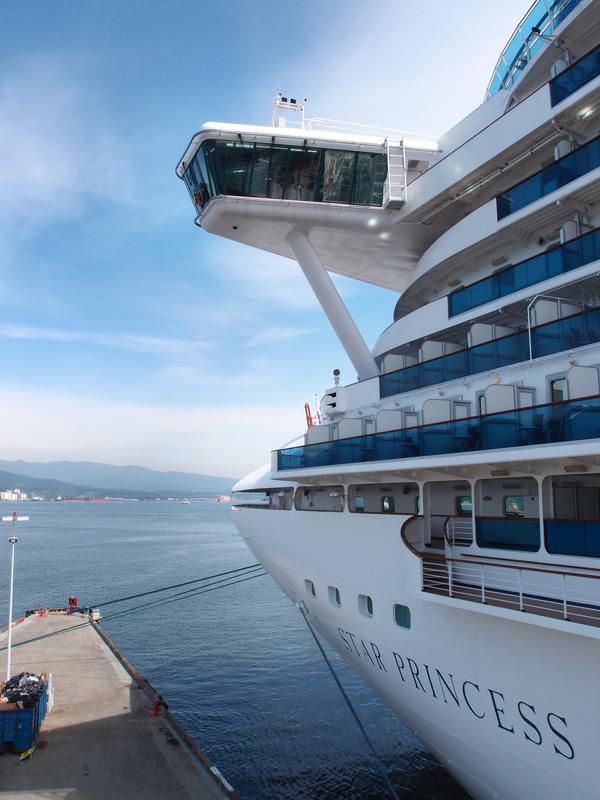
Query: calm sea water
column 237, row 666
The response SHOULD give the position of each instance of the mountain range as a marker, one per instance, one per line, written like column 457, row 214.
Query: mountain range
column 89, row 476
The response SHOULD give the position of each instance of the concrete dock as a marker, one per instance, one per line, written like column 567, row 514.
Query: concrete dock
column 98, row 742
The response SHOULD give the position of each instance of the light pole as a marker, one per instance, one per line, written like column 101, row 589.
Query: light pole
column 12, row 541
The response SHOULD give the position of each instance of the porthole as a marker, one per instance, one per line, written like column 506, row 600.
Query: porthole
column 334, row 595
column 365, row 605
column 402, row 615
column 310, row 587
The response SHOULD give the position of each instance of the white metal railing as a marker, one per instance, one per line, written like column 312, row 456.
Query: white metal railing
column 459, row 531
column 420, row 141
column 533, row 31
column 561, row 593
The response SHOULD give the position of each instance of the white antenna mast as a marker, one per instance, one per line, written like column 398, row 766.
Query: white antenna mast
column 290, row 104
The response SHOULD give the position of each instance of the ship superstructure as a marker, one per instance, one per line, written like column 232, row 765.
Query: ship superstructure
column 441, row 524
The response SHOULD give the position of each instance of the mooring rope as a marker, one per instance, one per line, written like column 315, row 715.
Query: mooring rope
column 223, row 583
column 370, row 744
column 172, row 586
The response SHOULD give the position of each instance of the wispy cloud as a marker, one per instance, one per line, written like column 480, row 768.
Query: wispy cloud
column 274, row 335
column 266, row 280
column 58, row 153
column 121, row 341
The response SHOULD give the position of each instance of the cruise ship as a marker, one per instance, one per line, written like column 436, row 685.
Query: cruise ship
column 439, row 519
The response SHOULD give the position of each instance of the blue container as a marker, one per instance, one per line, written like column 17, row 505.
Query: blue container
column 19, row 728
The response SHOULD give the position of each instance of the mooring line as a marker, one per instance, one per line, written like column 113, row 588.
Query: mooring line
column 173, row 586
column 220, row 584
column 370, row 744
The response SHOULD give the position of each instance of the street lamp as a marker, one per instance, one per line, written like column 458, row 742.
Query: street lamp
column 12, row 541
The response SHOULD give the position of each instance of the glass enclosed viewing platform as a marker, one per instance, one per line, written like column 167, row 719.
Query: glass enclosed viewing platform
column 549, row 423
column 541, row 20
column 286, row 172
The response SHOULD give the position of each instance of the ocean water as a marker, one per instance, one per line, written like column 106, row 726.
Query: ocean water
column 237, row 666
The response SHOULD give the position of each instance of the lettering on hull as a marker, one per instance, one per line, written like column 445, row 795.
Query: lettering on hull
column 515, row 718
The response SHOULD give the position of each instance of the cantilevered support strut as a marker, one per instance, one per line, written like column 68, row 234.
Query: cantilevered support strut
column 333, row 305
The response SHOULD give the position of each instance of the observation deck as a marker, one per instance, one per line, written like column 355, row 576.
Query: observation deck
column 344, row 184
column 540, row 21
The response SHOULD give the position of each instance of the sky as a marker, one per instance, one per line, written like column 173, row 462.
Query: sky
column 128, row 335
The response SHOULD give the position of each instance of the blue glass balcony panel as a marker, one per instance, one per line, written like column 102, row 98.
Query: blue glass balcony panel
column 568, row 333
column 508, row 533
column 570, row 420
column 575, row 76
column 574, row 253
column 566, row 169
column 285, row 172
column 524, row 43
column 573, row 537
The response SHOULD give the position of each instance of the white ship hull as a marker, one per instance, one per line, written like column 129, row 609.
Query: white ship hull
column 509, row 708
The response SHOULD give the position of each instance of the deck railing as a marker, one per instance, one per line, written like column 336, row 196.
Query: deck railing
column 562, row 259
column 568, row 333
column 566, row 169
column 574, row 77
column 567, row 593
column 565, row 421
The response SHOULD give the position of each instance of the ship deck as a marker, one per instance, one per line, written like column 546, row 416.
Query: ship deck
column 98, row 741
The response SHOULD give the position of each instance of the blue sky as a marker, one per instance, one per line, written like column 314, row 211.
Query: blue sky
column 127, row 335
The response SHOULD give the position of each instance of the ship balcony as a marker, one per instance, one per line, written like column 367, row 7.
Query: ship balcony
column 575, row 77
column 560, row 592
column 559, row 335
column 551, row 589
column 563, row 171
column 560, row 260
column 541, row 21
column 549, row 423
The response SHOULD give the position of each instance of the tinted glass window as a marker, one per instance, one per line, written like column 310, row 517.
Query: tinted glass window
column 514, row 505
column 388, row 505
column 303, row 171
column 371, row 169
column 235, row 166
column 464, row 505
column 337, row 176
column 402, row 615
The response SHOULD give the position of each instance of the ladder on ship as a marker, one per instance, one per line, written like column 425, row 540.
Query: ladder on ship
column 394, row 189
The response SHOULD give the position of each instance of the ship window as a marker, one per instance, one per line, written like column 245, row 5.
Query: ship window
column 370, row 176
column 464, row 505
column 235, row 164
column 310, row 587
column 402, row 615
column 334, row 595
column 337, row 176
column 303, row 170
column 365, row 605
column 514, row 505
column 387, row 504
column 319, row 498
